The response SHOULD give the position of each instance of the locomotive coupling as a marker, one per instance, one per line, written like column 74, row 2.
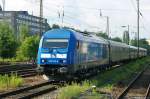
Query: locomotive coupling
column 40, row 69
column 63, row 70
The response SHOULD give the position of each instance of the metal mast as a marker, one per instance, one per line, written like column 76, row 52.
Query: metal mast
column 3, row 10
column 138, row 17
column 129, row 35
column 3, row 5
column 41, row 17
column 63, row 14
column 107, row 27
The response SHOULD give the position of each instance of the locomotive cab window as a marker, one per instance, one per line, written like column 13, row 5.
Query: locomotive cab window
column 55, row 43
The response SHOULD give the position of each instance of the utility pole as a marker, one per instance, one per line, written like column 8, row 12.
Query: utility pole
column 138, row 23
column 3, row 5
column 107, row 27
column 3, row 10
column 41, row 17
column 63, row 14
column 128, row 34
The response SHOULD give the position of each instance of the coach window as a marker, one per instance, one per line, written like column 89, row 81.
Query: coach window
column 84, row 48
column 101, row 51
column 104, row 51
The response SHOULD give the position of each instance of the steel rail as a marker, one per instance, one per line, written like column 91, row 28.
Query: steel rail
column 124, row 92
column 147, row 92
column 33, row 87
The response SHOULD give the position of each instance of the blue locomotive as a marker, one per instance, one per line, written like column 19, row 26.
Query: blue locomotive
column 65, row 51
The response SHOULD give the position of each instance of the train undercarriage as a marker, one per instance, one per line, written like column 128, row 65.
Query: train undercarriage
column 62, row 73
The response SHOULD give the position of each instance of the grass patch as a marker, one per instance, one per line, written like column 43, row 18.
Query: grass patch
column 8, row 60
column 73, row 90
column 9, row 82
column 105, row 81
column 12, row 61
column 109, row 79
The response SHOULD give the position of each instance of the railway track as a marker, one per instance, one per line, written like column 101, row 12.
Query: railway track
column 37, row 90
column 139, row 87
column 22, row 73
column 147, row 96
column 16, row 67
column 31, row 91
column 23, row 70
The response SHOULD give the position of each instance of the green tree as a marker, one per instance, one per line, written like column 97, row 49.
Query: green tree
column 23, row 32
column 133, row 42
column 101, row 34
column 55, row 26
column 28, row 48
column 8, row 44
column 116, row 39
column 142, row 43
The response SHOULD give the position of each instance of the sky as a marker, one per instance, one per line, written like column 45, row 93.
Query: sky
column 85, row 14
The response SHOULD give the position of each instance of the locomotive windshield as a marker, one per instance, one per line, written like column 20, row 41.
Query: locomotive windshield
column 55, row 43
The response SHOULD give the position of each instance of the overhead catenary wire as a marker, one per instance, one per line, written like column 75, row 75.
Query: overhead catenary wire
column 74, row 18
column 66, row 18
column 143, row 20
column 69, row 17
column 80, row 7
column 133, row 4
column 89, row 8
column 72, row 7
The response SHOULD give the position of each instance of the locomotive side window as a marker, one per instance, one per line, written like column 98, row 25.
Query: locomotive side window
column 104, row 51
column 78, row 45
column 55, row 43
column 84, row 48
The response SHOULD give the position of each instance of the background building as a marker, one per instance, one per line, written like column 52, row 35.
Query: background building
column 18, row 18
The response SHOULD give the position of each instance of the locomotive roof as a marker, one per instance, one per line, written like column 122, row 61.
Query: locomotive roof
column 89, row 37
column 118, row 43
column 143, row 49
column 133, row 47
column 57, row 33
column 65, row 33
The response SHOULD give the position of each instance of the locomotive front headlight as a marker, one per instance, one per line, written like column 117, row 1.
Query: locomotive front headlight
column 43, row 60
column 64, row 61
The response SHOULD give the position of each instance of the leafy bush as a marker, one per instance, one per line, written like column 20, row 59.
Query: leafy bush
column 28, row 48
column 105, row 81
column 108, row 79
column 72, row 90
column 23, row 32
column 8, row 44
